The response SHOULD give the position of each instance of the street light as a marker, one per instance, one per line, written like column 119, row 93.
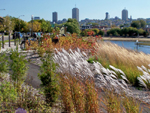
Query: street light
column 32, row 25
column 19, row 27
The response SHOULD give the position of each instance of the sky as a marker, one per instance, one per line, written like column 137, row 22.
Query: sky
column 92, row 9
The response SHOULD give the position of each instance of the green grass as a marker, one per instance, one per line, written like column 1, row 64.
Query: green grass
column 144, row 43
column 12, row 40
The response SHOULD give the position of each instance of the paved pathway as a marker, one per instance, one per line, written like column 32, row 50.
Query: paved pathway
column 12, row 46
column 32, row 75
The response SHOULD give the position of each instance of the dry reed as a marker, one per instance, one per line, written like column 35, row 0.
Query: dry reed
column 124, row 59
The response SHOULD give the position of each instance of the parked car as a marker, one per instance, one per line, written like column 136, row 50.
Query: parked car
column 17, row 35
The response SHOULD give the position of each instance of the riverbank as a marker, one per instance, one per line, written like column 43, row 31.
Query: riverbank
column 126, row 39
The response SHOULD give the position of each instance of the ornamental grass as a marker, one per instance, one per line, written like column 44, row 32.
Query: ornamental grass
column 126, row 60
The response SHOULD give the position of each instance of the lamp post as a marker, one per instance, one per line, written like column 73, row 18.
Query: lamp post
column 32, row 25
column 9, row 33
column 19, row 27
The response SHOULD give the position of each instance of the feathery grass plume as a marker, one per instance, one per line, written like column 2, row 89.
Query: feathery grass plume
column 144, row 80
column 76, row 65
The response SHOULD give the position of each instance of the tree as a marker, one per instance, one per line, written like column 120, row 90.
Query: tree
column 145, row 33
column 20, row 25
column 143, row 23
column 94, row 24
column 8, row 24
column 72, row 26
column 36, row 26
column 138, row 24
column 96, row 31
column 84, row 32
column 101, row 33
column 135, row 24
column 44, row 26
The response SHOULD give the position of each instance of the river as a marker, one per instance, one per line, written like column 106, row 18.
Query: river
column 132, row 45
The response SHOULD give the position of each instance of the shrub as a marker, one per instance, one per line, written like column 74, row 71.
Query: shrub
column 18, row 66
column 3, row 62
column 8, row 92
column 48, row 78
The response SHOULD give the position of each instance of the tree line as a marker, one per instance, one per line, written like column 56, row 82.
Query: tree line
column 127, row 31
column 9, row 24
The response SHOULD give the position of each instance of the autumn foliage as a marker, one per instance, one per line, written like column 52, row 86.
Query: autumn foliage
column 69, row 42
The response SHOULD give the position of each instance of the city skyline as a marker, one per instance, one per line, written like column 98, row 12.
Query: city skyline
column 88, row 9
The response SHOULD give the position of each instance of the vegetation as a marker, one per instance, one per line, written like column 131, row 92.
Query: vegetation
column 130, row 31
column 72, row 26
column 110, row 54
column 95, row 30
column 49, row 79
column 76, row 94
column 18, row 66
column 138, row 24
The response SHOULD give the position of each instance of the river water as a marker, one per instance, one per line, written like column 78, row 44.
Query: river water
column 132, row 45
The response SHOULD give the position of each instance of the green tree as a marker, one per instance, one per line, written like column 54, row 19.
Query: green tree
column 36, row 26
column 96, row 31
column 95, row 24
column 138, row 24
column 49, row 79
column 145, row 34
column 72, row 26
column 8, row 24
column 20, row 25
column 142, row 23
column 101, row 33
column 135, row 24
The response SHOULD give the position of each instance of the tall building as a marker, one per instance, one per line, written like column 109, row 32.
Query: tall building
column 107, row 16
column 36, row 18
column 75, row 13
column 55, row 17
column 124, row 14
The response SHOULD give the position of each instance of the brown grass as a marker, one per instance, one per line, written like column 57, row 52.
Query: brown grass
column 126, row 60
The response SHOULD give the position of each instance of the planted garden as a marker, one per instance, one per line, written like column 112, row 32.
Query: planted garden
column 77, row 75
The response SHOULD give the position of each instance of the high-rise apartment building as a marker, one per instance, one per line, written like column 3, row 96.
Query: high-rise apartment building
column 75, row 13
column 55, row 17
column 107, row 16
column 124, row 14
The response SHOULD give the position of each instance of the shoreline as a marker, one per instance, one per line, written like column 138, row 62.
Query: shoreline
column 126, row 39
